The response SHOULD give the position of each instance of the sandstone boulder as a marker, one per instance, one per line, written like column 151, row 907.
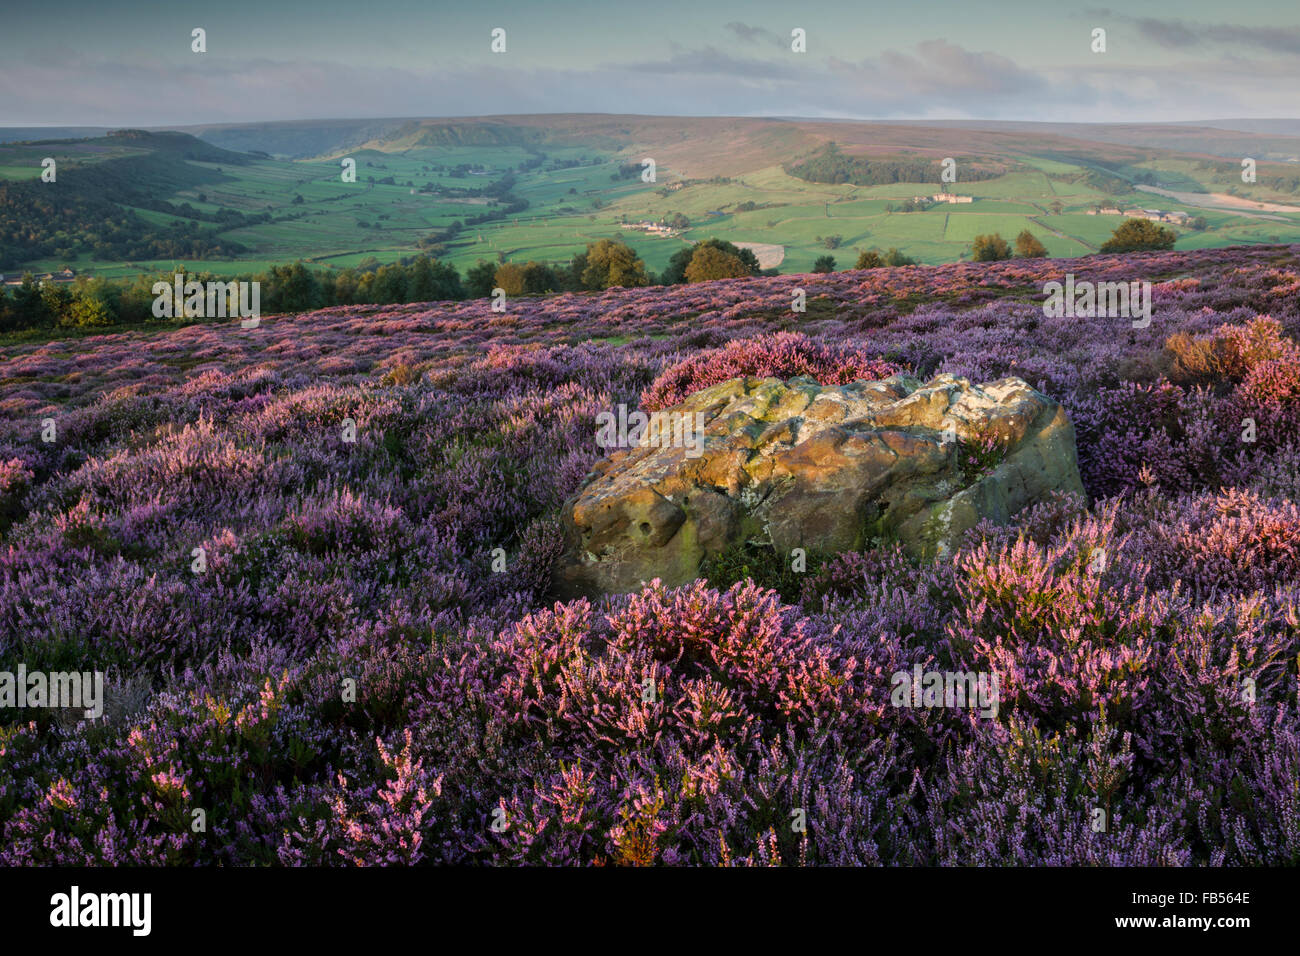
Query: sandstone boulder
column 826, row 468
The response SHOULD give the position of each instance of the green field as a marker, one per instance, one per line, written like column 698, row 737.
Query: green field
column 316, row 217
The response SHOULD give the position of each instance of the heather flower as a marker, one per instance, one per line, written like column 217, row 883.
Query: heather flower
column 348, row 678
column 783, row 355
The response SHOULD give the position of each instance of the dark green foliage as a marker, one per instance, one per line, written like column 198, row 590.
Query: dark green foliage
column 873, row 259
column 675, row 273
column 1028, row 246
column 480, row 279
column 761, row 564
column 829, row 165
column 990, row 248
column 909, row 205
column 92, row 303
column 1135, row 235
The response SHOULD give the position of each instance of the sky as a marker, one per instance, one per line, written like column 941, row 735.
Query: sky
column 124, row 63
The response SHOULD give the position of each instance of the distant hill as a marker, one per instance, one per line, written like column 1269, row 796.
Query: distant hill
column 542, row 187
column 20, row 134
column 713, row 146
column 1274, row 127
column 104, row 186
column 182, row 145
column 297, row 140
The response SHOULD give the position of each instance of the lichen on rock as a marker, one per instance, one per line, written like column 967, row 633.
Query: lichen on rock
column 828, row 468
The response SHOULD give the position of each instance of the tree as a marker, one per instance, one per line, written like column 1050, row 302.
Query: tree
column 870, row 259
column 481, row 279
column 990, row 248
column 1028, row 246
column 1135, row 235
column 57, row 301
column 573, row 280
column 824, row 264
column 611, row 264
column 710, row 262
column 292, row 288
column 675, row 273
column 390, row 285
column 430, row 279
column 8, row 315
column 420, row 280
column 344, row 290
column 91, row 306
column 539, row 278
column 895, row 258
column 29, row 306
column 510, row 278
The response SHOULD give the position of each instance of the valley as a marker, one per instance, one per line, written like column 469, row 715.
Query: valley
column 542, row 188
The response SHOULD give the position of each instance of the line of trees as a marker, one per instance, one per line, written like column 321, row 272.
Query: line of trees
column 101, row 303
column 993, row 248
column 608, row 263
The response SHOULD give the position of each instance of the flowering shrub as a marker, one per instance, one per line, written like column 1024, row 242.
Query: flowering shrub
column 15, row 479
column 783, row 355
column 1271, row 392
column 367, row 667
column 1232, row 352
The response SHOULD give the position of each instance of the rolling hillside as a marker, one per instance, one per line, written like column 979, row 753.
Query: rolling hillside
column 507, row 188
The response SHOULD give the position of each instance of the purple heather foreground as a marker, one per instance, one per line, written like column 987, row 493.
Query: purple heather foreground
column 490, row 724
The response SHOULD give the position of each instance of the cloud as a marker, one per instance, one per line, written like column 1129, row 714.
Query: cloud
column 1176, row 34
column 752, row 34
column 939, row 73
column 709, row 60
column 935, row 79
column 1276, row 40
column 1173, row 34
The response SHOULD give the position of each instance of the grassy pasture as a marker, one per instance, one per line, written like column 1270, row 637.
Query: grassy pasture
column 315, row 216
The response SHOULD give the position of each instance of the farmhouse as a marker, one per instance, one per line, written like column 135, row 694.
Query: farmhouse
column 950, row 197
column 662, row 230
column 1156, row 215
column 16, row 278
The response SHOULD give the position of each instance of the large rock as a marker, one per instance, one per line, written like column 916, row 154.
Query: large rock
column 826, row 468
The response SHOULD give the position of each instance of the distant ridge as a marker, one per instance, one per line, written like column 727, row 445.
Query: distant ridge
column 306, row 139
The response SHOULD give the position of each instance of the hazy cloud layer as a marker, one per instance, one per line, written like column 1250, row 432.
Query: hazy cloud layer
column 936, row 78
column 753, row 34
column 1178, row 34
